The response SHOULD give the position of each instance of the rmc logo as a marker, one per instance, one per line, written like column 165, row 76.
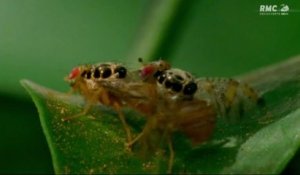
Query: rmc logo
column 268, row 8
column 274, row 9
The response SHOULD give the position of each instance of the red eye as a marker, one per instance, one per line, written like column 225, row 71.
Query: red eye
column 74, row 73
column 147, row 70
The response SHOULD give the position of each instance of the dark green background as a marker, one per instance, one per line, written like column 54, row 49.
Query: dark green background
column 43, row 40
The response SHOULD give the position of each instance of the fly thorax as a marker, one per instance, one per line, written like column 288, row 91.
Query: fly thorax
column 176, row 83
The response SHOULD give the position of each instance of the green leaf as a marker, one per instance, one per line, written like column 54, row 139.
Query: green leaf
column 263, row 142
column 84, row 144
column 270, row 149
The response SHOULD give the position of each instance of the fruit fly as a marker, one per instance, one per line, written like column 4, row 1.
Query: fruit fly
column 83, row 79
column 176, row 101
column 166, row 97
column 170, row 99
column 179, row 110
column 230, row 98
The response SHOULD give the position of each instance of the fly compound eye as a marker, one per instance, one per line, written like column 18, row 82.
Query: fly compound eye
column 121, row 71
column 190, row 88
column 74, row 73
column 106, row 72
column 147, row 71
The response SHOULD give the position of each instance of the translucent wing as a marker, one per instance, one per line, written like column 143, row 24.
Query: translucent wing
column 196, row 119
column 133, row 92
column 130, row 87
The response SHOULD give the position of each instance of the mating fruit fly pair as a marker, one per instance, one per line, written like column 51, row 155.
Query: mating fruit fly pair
column 171, row 99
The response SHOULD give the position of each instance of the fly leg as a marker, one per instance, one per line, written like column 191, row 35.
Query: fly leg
column 125, row 125
column 86, row 109
column 90, row 98
column 145, row 131
column 171, row 158
column 132, row 142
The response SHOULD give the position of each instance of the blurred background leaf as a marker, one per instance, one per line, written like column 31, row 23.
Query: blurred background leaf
column 43, row 40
